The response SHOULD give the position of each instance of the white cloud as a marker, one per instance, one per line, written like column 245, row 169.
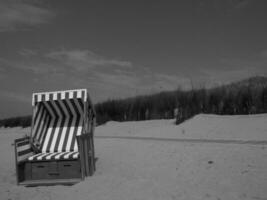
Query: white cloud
column 135, row 82
column 31, row 66
column 223, row 7
column 27, row 52
column 172, row 82
column 85, row 59
column 19, row 14
column 238, row 4
column 115, row 80
column 263, row 54
column 219, row 77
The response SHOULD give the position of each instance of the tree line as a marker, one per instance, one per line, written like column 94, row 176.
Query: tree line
column 247, row 97
column 225, row 100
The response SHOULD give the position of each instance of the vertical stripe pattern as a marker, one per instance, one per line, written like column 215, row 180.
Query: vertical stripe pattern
column 57, row 120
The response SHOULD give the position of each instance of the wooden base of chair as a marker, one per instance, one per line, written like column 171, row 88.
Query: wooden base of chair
column 48, row 182
column 49, row 172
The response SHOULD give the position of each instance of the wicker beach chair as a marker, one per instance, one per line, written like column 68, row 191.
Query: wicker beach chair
column 60, row 149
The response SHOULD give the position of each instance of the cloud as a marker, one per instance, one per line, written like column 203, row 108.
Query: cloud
column 19, row 14
column 85, row 59
column 114, row 78
column 171, row 82
column 228, row 8
column 235, row 7
column 263, row 54
column 106, row 78
column 63, row 61
column 119, row 84
column 221, row 76
column 27, row 52
column 34, row 66
column 239, row 4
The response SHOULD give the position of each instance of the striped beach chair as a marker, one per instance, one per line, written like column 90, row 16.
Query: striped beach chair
column 60, row 148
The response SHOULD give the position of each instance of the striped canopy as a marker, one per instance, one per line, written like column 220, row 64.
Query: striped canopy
column 59, row 95
column 58, row 119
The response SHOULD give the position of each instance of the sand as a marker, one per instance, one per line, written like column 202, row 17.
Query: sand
column 161, row 169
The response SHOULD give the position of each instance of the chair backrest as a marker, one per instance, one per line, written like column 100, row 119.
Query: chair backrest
column 58, row 117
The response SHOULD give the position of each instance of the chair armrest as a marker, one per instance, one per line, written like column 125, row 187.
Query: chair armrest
column 23, row 149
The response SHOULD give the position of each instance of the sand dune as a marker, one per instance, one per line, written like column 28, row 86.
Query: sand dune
column 161, row 168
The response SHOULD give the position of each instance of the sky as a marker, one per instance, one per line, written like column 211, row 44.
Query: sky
column 118, row 49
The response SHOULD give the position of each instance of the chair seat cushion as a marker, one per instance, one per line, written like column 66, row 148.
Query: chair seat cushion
column 54, row 156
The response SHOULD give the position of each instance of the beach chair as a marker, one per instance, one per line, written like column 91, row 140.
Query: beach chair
column 60, row 148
